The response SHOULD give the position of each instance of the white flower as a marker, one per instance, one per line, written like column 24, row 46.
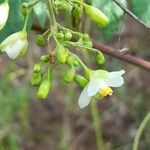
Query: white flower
column 4, row 10
column 14, row 45
column 100, row 81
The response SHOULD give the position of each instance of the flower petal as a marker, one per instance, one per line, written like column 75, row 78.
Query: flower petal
column 93, row 86
column 84, row 98
column 4, row 9
column 115, row 79
column 14, row 50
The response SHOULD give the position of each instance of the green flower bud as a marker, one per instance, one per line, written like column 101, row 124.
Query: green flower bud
column 40, row 41
column 61, row 53
column 68, row 36
column 45, row 58
column 60, row 36
column 100, row 59
column 70, row 60
column 44, row 89
column 63, row 6
column 69, row 75
column 77, row 12
column 75, row 63
column 80, row 80
column 36, row 79
column 37, row 68
column 96, row 15
column 85, row 37
column 88, row 44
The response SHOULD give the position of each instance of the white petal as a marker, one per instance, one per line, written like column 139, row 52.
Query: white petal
column 102, row 84
column 115, row 79
column 14, row 50
column 84, row 99
column 93, row 86
column 4, row 8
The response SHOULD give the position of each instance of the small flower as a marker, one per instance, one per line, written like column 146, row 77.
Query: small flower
column 14, row 45
column 4, row 10
column 100, row 81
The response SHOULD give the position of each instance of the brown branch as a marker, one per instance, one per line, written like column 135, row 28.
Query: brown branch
column 122, row 56
column 127, row 11
column 115, row 53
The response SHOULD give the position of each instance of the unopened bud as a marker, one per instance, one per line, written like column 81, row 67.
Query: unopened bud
column 96, row 15
column 40, row 41
column 68, row 36
column 44, row 89
column 36, row 79
column 69, row 75
column 37, row 68
column 61, row 53
column 80, row 80
column 45, row 58
column 100, row 59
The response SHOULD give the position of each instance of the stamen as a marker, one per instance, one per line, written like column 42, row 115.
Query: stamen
column 106, row 91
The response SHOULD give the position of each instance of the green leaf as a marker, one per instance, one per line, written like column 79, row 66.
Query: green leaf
column 113, row 12
column 41, row 14
column 15, row 20
column 141, row 8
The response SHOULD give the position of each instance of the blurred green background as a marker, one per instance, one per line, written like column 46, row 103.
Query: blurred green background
column 57, row 123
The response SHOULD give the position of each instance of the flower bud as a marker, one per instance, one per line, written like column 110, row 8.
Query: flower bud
column 4, row 11
column 61, row 5
column 68, row 36
column 96, row 15
column 36, row 79
column 45, row 58
column 75, row 63
column 100, row 59
column 37, row 68
column 15, row 44
column 60, row 35
column 77, row 12
column 88, row 44
column 44, row 89
column 85, row 37
column 61, row 53
column 69, row 60
column 80, row 80
column 40, row 41
column 69, row 75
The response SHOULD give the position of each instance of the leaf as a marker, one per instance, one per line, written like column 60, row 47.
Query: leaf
column 41, row 14
column 15, row 20
column 113, row 12
column 141, row 8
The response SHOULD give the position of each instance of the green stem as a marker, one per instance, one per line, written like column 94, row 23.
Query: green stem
column 140, row 130
column 26, row 21
column 81, row 63
column 31, row 4
column 97, row 125
column 53, row 22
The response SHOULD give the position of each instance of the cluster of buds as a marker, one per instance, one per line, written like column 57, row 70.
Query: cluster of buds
column 94, row 83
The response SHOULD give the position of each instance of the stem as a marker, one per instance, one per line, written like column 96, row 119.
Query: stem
column 53, row 22
column 97, row 125
column 26, row 21
column 127, row 11
column 81, row 63
column 77, row 45
column 140, row 130
column 31, row 4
